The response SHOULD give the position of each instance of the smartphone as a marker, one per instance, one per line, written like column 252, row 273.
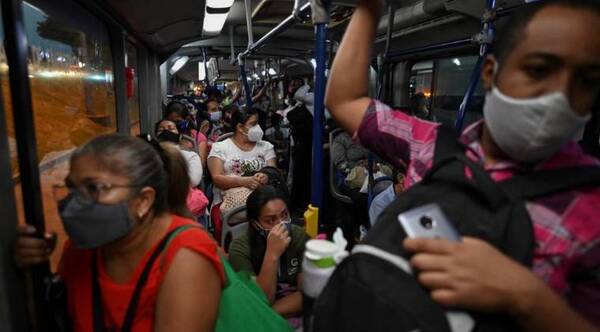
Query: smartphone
column 428, row 221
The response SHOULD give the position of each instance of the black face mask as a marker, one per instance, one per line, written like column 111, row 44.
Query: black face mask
column 168, row 136
column 91, row 224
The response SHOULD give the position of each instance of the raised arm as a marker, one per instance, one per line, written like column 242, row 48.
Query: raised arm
column 347, row 96
column 262, row 92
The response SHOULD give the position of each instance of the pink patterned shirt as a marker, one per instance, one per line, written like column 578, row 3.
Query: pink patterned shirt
column 566, row 225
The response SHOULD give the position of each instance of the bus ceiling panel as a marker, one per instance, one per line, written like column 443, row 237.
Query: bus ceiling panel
column 419, row 11
column 163, row 25
column 298, row 31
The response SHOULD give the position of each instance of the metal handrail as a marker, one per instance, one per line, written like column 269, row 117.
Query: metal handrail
column 284, row 25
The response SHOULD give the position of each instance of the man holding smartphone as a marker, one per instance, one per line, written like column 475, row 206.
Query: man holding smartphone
column 542, row 82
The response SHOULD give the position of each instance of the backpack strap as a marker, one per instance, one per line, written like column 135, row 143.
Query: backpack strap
column 548, row 182
column 446, row 144
column 98, row 309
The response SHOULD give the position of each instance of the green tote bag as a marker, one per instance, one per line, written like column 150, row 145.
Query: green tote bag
column 244, row 307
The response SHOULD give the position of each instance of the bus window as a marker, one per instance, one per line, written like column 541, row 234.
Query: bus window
column 10, row 128
column 133, row 99
column 420, row 79
column 451, row 81
column 71, row 79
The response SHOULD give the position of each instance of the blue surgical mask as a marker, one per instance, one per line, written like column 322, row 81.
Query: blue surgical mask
column 216, row 116
column 90, row 224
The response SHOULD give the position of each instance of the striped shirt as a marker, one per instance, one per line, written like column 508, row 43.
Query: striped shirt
column 566, row 225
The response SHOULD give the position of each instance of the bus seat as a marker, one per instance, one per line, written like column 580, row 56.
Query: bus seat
column 224, row 137
column 231, row 221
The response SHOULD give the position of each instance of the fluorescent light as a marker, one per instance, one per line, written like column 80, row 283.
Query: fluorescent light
column 313, row 62
column 271, row 72
column 219, row 3
column 456, row 61
column 213, row 23
column 178, row 64
column 201, row 71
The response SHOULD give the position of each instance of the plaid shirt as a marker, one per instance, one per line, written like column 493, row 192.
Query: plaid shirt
column 566, row 226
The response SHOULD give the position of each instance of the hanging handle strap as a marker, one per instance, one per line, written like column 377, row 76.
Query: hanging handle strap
column 135, row 297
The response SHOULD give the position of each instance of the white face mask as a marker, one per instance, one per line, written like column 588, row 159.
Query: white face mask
column 255, row 133
column 531, row 130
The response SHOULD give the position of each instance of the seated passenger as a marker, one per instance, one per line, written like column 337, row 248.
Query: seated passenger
column 347, row 154
column 272, row 250
column 234, row 162
column 166, row 131
column 191, row 203
column 419, row 107
column 542, row 81
column 115, row 212
column 386, row 197
column 216, row 118
column 178, row 113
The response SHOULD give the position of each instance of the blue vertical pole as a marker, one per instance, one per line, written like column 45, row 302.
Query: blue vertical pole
column 488, row 35
column 246, row 85
column 205, row 67
column 318, row 128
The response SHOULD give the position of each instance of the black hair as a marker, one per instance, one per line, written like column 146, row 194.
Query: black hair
column 241, row 116
column 512, row 33
column 157, row 124
column 178, row 107
column 131, row 157
column 254, row 204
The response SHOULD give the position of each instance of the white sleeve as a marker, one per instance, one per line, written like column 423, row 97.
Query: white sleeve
column 269, row 151
column 194, row 165
column 219, row 150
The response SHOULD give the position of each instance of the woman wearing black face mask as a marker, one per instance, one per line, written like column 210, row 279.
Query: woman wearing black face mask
column 272, row 249
column 166, row 131
column 116, row 213
column 188, row 126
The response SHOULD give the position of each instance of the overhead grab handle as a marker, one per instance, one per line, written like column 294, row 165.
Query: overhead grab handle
column 320, row 11
column 485, row 39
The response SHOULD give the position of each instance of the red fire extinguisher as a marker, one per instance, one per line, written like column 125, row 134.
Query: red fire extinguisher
column 129, row 78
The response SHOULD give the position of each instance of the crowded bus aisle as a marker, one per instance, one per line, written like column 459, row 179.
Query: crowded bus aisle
column 207, row 220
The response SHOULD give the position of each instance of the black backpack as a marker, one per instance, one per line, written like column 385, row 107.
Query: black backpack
column 371, row 290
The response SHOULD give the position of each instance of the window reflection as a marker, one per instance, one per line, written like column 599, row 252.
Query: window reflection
column 133, row 99
column 71, row 78
column 451, row 81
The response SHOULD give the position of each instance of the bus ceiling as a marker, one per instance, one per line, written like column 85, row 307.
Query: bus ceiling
column 277, row 32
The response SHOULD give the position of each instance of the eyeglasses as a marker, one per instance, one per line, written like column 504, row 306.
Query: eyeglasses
column 90, row 191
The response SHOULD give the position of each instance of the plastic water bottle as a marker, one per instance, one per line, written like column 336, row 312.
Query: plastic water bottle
column 320, row 260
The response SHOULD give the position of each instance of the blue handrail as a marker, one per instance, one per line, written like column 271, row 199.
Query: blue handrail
column 487, row 38
column 244, row 79
column 318, row 126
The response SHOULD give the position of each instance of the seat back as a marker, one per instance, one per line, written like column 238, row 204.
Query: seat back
column 224, row 137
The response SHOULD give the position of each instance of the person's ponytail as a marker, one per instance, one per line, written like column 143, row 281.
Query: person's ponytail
column 178, row 181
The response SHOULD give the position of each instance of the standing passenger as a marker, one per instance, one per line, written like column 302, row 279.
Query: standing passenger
column 542, row 81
